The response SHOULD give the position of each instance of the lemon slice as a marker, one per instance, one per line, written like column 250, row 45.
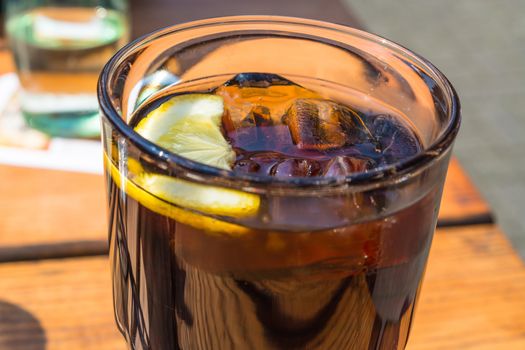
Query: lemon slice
column 207, row 199
column 190, row 126
column 159, row 194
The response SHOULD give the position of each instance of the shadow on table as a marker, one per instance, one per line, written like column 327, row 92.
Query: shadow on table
column 19, row 329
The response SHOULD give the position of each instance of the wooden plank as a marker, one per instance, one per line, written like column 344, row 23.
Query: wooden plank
column 39, row 206
column 7, row 63
column 472, row 298
column 57, row 304
column 473, row 293
column 462, row 203
column 53, row 250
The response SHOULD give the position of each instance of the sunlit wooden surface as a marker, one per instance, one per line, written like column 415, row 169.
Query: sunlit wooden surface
column 55, row 290
column 472, row 298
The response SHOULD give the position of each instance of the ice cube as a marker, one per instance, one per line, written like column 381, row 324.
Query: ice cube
column 247, row 133
column 248, row 91
column 259, row 116
column 246, row 166
column 260, row 163
column 243, row 136
column 346, row 165
column 296, row 168
column 354, row 127
column 278, row 165
column 260, row 80
column 314, row 124
column 394, row 140
column 257, row 133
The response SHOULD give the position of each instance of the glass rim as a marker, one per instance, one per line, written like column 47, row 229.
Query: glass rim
column 377, row 176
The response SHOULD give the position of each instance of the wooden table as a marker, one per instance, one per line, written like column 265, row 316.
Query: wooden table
column 55, row 291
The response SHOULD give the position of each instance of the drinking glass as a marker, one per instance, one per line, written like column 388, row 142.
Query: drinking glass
column 59, row 49
column 309, row 263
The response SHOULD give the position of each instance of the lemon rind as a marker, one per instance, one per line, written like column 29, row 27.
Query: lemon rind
column 160, row 206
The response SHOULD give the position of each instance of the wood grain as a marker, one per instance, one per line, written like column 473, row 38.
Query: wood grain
column 472, row 298
column 220, row 321
column 69, row 300
column 39, row 206
column 473, row 294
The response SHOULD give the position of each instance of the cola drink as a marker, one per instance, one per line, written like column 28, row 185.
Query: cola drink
column 316, row 271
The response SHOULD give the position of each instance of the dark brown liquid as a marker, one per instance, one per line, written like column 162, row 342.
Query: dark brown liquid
column 281, row 129
column 176, row 287
column 350, row 287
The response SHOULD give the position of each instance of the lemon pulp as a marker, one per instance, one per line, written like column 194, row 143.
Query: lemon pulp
column 190, row 126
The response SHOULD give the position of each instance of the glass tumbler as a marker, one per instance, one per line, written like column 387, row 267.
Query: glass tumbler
column 310, row 263
column 60, row 48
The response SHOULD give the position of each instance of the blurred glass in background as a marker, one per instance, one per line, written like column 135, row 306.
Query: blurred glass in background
column 60, row 48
